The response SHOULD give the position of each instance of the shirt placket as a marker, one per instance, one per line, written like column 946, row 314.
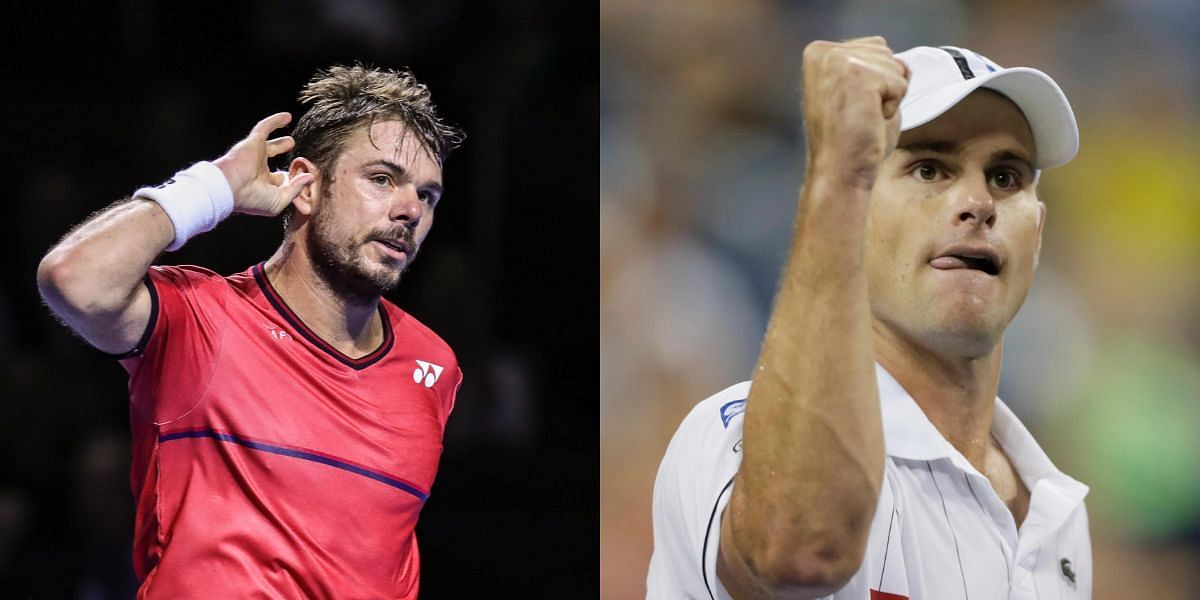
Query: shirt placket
column 1004, row 528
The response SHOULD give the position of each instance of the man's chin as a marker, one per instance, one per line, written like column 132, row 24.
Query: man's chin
column 971, row 336
column 363, row 281
column 381, row 279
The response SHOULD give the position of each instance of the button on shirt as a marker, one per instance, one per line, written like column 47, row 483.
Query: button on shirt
column 939, row 531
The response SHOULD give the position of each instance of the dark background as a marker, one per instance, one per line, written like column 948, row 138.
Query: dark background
column 98, row 100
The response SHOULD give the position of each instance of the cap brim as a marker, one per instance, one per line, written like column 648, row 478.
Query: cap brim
column 1041, row 100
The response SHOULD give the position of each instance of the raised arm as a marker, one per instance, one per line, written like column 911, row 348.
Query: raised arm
column 802, row 504
column 92, row 278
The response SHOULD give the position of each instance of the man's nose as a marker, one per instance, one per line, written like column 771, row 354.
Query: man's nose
column 973, row 203
column 407, row 206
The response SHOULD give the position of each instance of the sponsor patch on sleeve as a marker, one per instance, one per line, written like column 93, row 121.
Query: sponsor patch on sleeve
column 731, row 409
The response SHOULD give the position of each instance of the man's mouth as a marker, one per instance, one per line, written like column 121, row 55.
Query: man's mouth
column 975, row 259
column 396, row 245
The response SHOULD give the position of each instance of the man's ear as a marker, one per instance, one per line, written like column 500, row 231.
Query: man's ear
column 1037, row 255
column 305, row 201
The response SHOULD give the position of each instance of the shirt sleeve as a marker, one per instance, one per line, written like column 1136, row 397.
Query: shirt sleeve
column 449, row 398
column 690, row 493
column 173, row 362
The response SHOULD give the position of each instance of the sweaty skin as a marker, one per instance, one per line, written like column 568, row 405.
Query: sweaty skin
column 383, row 187
column 92, row 279
column 875, row 273
column 940, row 330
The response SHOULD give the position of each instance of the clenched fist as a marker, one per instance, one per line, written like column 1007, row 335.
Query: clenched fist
column 852, row 93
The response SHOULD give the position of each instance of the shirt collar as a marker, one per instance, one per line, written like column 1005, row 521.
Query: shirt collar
column 909, row 434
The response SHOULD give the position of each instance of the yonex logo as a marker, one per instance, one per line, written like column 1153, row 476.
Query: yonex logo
column 427, row 373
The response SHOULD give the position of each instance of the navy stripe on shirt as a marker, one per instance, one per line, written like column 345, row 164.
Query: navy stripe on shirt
column 295, row 453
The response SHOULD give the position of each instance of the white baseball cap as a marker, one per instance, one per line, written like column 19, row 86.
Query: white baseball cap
column 943, row 76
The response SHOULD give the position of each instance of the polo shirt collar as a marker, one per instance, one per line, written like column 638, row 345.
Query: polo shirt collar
column 909, row 434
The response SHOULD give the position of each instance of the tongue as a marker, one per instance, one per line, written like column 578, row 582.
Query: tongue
column 948, row 262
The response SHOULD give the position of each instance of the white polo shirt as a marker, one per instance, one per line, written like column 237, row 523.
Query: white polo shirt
column 939, row 532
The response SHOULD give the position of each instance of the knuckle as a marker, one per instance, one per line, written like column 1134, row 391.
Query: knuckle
column 818, row 45
column 816, row 49
column 851, row 64
column 836, row 57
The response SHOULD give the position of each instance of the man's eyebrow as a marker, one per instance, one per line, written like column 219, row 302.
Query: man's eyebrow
column 935, row 146
column 1010, row 155
column 395, row 168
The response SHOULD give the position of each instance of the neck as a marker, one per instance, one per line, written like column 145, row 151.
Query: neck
column 347, row 323
column 956, row 393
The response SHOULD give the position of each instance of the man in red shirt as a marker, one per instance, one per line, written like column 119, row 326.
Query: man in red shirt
column 287, row 420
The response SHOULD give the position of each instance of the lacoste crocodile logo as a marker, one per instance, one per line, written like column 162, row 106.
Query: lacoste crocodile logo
column 1067, row 572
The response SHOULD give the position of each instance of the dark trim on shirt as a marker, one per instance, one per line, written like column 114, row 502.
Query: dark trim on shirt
column 309, row 455
column 707, row 531
column 145, row 340
column 264, row 283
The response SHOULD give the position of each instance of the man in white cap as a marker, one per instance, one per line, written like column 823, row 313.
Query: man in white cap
column 869, row 457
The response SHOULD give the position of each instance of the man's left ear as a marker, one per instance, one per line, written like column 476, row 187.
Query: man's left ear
column 1037, row 255
column 304, row 201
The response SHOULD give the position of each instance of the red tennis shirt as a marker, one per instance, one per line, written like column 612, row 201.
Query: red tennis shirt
column 267, row 464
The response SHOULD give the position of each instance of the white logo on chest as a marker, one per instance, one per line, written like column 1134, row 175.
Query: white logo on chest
column 277, row 333
column 427, row 373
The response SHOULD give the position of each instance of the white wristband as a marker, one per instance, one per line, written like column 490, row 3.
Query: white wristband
column 195, row 199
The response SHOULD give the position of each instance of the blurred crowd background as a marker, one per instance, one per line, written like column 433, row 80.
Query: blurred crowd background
column 101, row 98
column 701, row 157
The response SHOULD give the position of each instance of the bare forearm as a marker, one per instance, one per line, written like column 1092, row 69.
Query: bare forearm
column 813, row 458
column 91, row 279
column 812, row 464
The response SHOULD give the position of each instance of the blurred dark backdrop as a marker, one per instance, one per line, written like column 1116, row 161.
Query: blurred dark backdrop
column 100, row 99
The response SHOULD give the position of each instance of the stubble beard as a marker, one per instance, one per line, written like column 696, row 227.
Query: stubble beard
column 344, row 268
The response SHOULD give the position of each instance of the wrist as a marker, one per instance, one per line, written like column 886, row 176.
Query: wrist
column 195, row 200
column 843, row 175
column 225, row 165
column 835, row 192
column 832, row 208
